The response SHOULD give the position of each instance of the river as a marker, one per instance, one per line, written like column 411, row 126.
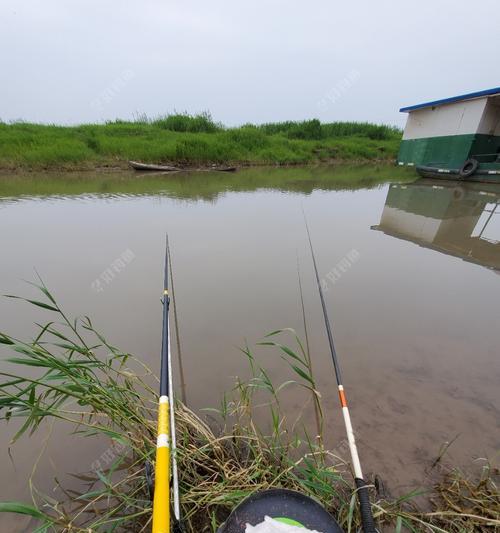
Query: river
column 410, row 271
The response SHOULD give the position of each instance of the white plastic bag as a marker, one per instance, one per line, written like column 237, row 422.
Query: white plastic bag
column 273, row 526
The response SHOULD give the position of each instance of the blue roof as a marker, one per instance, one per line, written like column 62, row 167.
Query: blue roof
column 487, row 92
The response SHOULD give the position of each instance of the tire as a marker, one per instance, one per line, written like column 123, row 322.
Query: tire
column 468, row 168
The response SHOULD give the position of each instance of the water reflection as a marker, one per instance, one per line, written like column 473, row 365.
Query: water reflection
column 191, row 187
column 457, row 220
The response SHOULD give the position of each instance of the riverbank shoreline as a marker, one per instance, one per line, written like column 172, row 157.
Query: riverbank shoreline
column 117, row 167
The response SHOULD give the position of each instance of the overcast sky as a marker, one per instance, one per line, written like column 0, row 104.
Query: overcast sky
column 72, row 61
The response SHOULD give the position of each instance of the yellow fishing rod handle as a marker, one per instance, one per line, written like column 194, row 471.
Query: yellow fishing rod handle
column 161, row 501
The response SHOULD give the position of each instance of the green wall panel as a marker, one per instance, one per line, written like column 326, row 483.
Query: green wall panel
column 448, row 151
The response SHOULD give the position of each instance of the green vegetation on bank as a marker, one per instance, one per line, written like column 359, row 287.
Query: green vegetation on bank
column 71, row 374
column 191, row 140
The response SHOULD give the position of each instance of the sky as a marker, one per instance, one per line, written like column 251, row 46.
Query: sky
column 73, row 61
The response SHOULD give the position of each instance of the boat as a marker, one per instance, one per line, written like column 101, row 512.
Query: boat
column 220, row 169
column 455, row 138
column 136, row 165
column 480, row 174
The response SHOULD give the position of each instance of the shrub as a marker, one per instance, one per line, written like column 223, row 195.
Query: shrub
column 201, row 123
column 248, row 137
column 307, row 129
column 201, row 151
column 62, row 151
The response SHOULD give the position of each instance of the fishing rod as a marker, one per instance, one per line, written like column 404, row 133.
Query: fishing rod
column 177, row 336
column 362, row 488
column 166, row 440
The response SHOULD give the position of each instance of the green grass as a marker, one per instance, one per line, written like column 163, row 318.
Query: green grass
column 71, row 373
column 191, row 140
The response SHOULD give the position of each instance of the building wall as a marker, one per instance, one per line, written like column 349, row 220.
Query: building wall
column 445, row 136
column 459, row 118
column 490, row 121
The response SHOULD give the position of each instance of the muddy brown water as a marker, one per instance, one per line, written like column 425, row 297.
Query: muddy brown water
column 411, row 277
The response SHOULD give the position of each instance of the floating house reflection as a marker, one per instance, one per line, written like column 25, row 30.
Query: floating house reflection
column 460, row 220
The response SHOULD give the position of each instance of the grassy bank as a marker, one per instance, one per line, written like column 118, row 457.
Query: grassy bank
column 71, row 374
column 191, row 141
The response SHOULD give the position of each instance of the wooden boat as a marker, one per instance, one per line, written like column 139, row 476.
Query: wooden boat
column 136, row 165
column 220, row 169
column 158, row 168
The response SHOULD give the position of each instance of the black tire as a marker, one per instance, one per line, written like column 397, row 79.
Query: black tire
column 468, row 168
